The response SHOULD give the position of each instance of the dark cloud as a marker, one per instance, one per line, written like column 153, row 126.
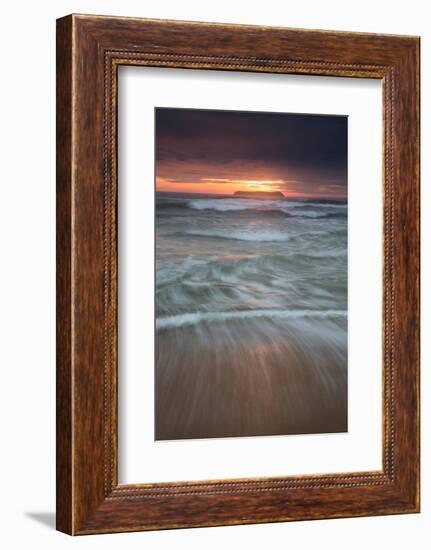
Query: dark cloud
column 305, row 152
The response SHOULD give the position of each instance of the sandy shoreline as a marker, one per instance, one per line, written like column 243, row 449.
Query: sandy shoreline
column 237, row 379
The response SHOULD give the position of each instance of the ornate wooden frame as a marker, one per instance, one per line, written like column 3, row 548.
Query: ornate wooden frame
column 89, row 51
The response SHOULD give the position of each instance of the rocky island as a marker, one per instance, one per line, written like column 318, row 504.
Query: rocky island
column 259, row 194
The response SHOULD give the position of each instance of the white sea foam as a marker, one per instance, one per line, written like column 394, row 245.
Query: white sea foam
column 226, row 205
column 304, row 213
column 187, row 319
column 261, row 236
column 286, row 206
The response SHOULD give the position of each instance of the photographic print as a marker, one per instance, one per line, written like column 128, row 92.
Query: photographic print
column 251, row 273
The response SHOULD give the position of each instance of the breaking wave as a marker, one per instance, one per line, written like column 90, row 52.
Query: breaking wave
column 187, row 319
column 249, row 236
column 265, row 205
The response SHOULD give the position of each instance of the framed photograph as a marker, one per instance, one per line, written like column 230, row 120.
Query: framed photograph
column 237, row 274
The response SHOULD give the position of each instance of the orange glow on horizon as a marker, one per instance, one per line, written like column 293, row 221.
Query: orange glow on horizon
column 215, row 187
column 204, row 187
column 229, row 187
column 218, row 186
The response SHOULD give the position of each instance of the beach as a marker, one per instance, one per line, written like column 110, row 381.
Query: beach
column 251, row 316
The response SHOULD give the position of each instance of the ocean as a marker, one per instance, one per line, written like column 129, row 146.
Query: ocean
column 251, row 316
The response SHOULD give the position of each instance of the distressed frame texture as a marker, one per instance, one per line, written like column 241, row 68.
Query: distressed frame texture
column 89, row 51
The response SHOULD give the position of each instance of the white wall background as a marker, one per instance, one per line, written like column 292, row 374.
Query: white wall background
column 27, row 297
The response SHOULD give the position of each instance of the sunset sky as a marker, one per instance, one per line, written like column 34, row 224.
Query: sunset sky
column 210, row 151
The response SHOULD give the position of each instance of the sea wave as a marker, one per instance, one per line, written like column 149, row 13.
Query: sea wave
column 188, row 319
column 262, row 236
column 317, row 213
column 285, row 206
column 223, row 205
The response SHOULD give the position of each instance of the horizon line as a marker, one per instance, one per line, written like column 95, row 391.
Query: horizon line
column 286, row 196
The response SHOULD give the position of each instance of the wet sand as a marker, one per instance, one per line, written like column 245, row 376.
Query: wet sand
column 251, row 378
